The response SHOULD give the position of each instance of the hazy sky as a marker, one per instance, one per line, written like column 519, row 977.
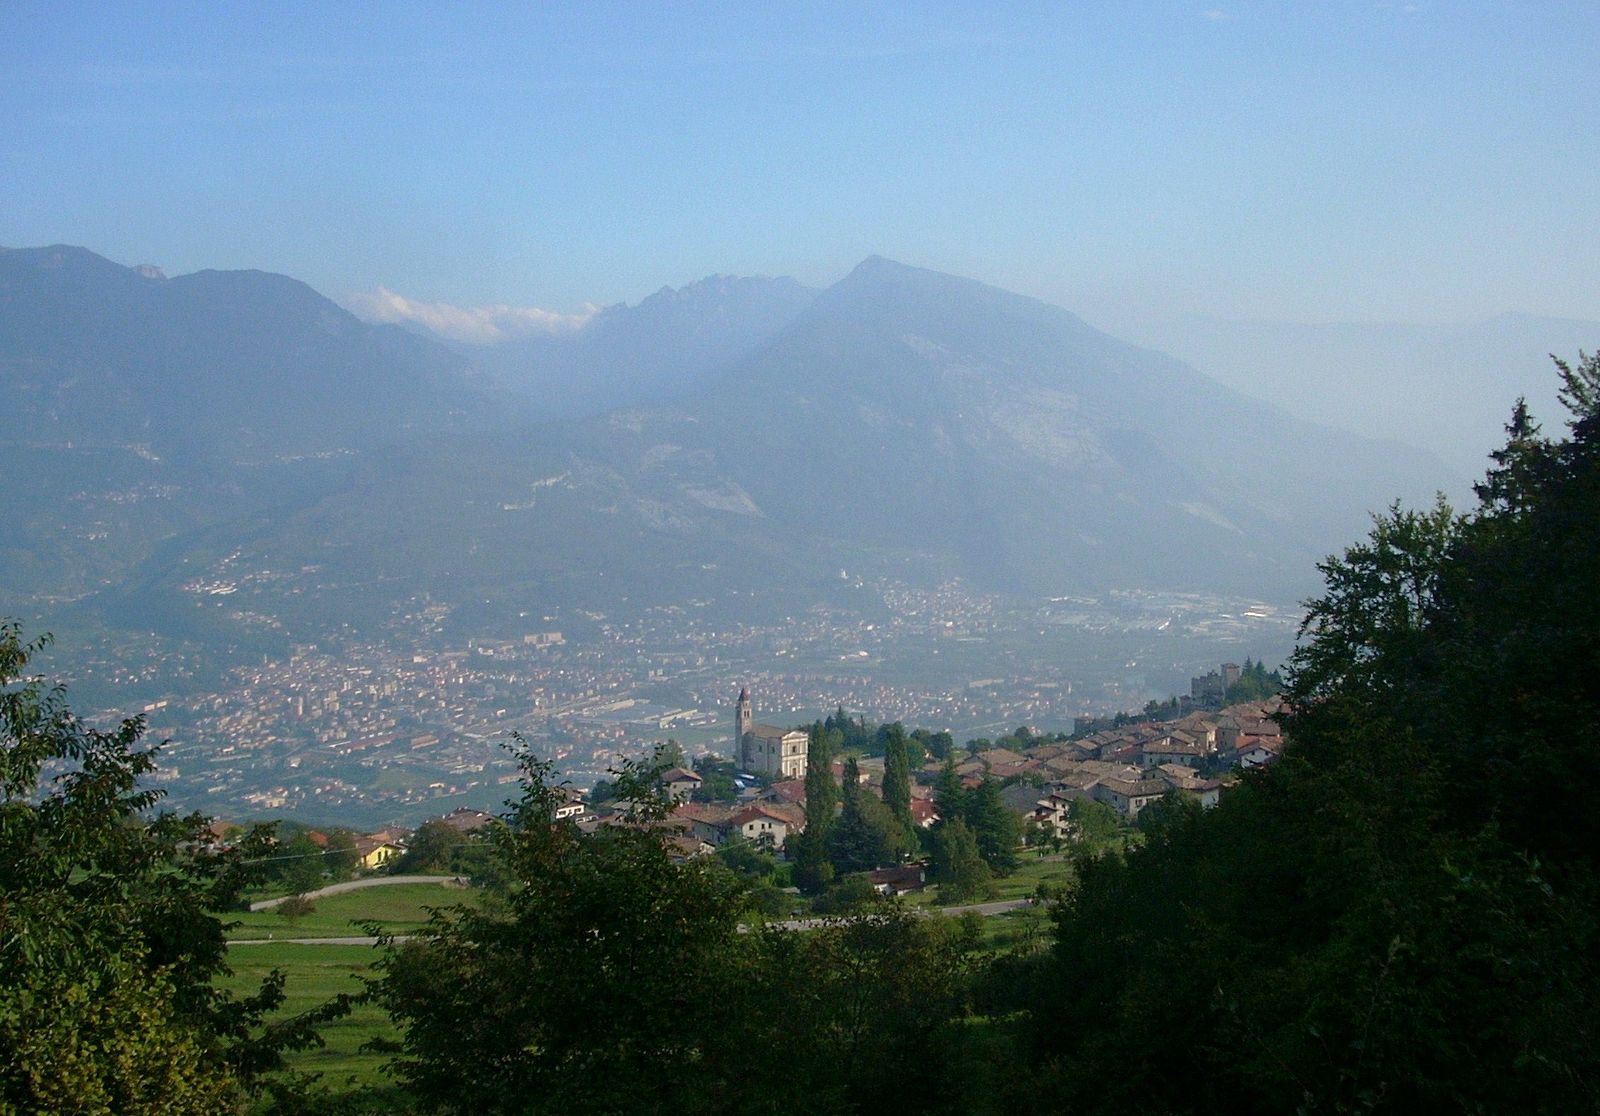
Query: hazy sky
column 1425, row 161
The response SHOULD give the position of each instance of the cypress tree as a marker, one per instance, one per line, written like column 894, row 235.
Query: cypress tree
column 896, row 773
column 812, row 870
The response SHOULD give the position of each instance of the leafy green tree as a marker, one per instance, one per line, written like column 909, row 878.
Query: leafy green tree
column 867, row 835
column 610, row 962
column 846, row 896
column 716, row 779
column 109, row 937
column 300, row 864
column 1096, row 827
column 431, row 847
column 936, row 744
column 850, row 1006
column 997, row 830
column 294, row 908
column 1255, row 683
column 744, row 859
column 339, row 856
column 955, row 864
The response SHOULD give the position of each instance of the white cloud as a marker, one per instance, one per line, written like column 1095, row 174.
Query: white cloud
column 1216, row 15
column 484, row 325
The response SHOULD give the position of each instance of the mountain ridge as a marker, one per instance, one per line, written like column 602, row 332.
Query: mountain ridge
column 902, row 423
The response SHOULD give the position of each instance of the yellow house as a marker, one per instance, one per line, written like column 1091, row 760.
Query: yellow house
column 374, row 852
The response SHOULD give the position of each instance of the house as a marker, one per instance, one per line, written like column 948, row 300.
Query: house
column 1129, row 797
column 680, row 782
column 898, row 881
column 1256, row 751
column 1054, row 811
column 1172, row 749
column 374, row 852
column 789, row 792
column 708, row 822
column 1207, row 792
column 761, row 824
column 570, row 805
column 466, row 820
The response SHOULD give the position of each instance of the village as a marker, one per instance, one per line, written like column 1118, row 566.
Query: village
column 758, row 799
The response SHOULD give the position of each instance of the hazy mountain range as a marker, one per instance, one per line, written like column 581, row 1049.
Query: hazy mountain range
column 1445, row 388
column 734, row 436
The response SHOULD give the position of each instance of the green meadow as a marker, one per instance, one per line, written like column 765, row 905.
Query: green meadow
column 398, row 909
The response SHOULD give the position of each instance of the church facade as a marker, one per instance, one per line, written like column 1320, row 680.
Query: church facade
column 767, row 749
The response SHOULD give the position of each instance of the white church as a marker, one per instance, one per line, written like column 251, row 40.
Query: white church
column 767, row 749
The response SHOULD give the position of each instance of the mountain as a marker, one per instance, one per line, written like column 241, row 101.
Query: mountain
column 213, row 366
column 142, row 410
column 902, row 423
column 907, row 424
column 922, row 411
column 1445, row 388
column 670, row 343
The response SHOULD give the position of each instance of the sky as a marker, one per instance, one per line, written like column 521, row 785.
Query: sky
column 1315, row 162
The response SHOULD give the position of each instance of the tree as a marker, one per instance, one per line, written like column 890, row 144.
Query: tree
column 997, row 830
column 1401, row 914
column 109, row 940
column 1255, row 683
column 956, row 866
column 339, row 856
column 949, row 796
column 431, row 847
column 300, row 864
column 896, row 773
column 813, row 870
column 498, row 1009
column 615, row 980
column 867, row 835
column 1096, row 827
column 716, row 779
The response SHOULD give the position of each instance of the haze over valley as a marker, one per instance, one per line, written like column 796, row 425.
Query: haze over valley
column 268, row 521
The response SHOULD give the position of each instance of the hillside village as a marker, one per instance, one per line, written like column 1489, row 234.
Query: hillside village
column 1196, row 755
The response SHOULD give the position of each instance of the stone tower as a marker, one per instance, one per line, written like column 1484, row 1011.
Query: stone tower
column 743, row 721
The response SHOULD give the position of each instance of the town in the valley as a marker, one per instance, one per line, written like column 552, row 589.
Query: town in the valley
column 1195, row 749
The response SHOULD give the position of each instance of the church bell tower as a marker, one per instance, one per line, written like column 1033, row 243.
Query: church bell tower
column 743, row 721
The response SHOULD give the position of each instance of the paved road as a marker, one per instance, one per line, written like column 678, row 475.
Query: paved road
column 312, row 941
column 354, row 885
column 987, row 910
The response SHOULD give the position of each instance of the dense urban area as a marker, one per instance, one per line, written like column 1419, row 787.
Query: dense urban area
column 392, row 730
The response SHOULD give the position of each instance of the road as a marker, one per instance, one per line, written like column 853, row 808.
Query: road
column 354, row 885
column 987, row 910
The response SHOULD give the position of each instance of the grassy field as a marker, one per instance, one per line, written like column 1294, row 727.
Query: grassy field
column 1031, row 872
column 398, row 908
column 317, row 973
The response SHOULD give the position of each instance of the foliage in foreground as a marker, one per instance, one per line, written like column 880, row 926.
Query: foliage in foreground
column 616, row 979
column 109, row 937
column 1402, row 915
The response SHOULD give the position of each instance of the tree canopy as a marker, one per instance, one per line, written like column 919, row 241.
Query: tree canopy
column 1402, row 914
column 109, row 936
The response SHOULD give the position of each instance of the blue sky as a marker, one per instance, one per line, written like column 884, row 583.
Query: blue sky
column 1312, row 162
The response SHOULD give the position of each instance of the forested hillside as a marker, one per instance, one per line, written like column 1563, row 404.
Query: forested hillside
column 1402, row 915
